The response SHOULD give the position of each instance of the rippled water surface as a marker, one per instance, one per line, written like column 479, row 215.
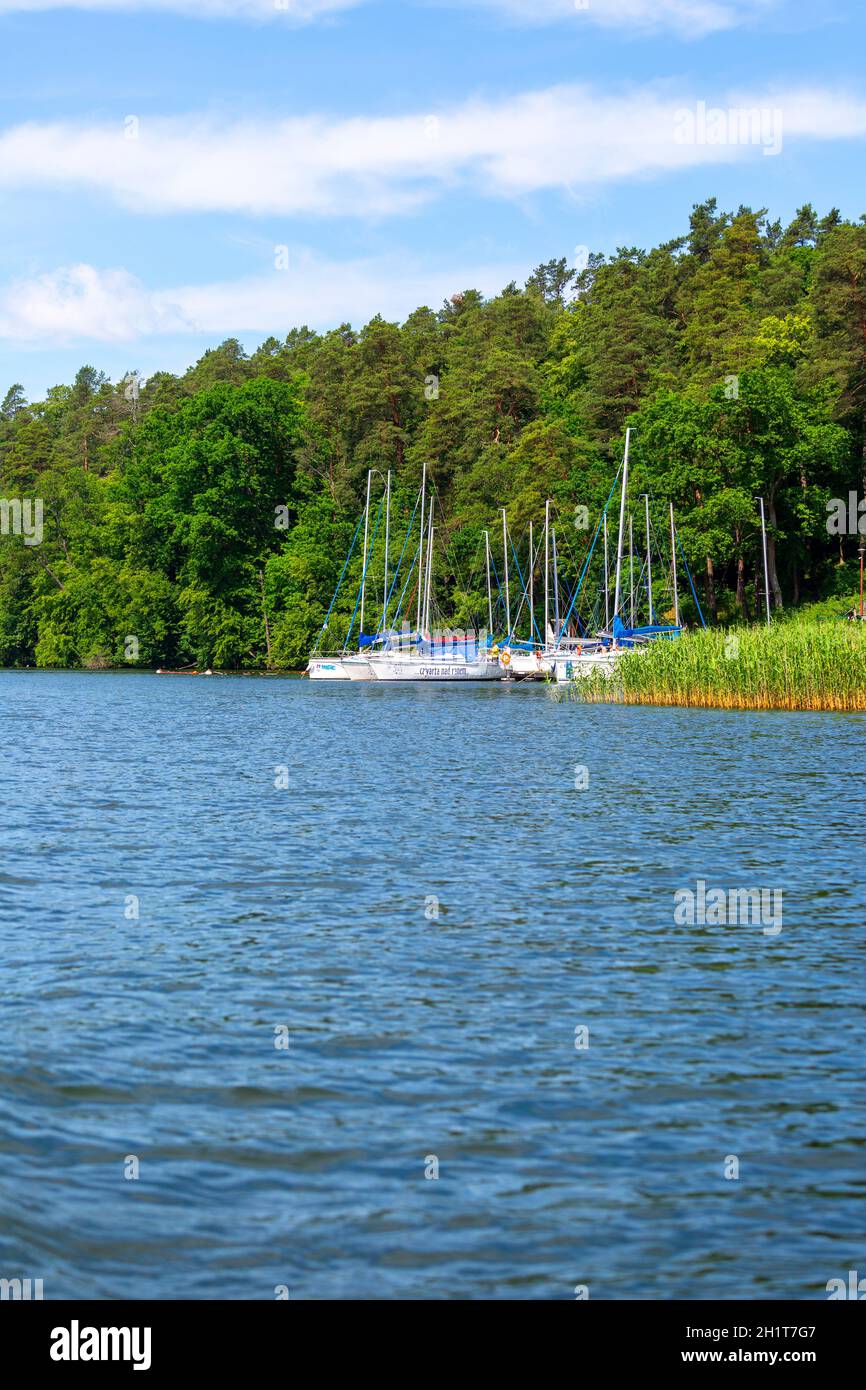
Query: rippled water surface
column 412, row 1036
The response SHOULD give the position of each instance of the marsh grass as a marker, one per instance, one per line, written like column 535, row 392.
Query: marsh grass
column 808, row 666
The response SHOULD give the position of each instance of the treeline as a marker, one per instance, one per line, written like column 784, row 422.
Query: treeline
column 206, row 517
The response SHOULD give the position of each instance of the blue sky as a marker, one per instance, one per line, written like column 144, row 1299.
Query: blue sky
column 175, row 172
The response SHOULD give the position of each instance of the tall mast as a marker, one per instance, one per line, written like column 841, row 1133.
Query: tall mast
column 546, row 570
column 649, row 561
column 674, row 562
column 489, row 591
column 606, row 580
column 621, row 536
column 429, row 579
column 507, row 593
column 387, row 540
column 421, row 545
column 556, row 632
column 531, row 584
column 366, row 531
column 631, row 568
column 766, row 571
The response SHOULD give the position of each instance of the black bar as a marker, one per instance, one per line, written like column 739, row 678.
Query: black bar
column 287, row 1337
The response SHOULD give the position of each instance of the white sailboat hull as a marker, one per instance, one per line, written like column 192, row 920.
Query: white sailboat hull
column 420, row 668
column 574, row 665
column 528, row 665
column 339, row 668
column 358, row 668
column 327, row 668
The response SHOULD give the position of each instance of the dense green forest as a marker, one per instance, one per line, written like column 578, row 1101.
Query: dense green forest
column 209, row 515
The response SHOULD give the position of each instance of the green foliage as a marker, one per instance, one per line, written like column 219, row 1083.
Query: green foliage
column 210, row 517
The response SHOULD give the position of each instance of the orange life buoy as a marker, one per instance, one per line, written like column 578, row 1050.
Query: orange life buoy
column 506, row 657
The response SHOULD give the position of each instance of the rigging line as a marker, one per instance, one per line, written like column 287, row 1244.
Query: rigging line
column 525, row 598
column 406, row 585
column 339, row 583
column 564, row 539
column 662, row 586
column 499, row 600
column 393, row 584
column 532, row 562
column 691, row 581
column 447, row 549
column 591, row 549
column 367, row 558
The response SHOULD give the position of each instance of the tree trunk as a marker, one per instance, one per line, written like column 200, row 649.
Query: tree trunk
column 771, row 559
column 741, row 583
column 712, row 602
column 265, row 611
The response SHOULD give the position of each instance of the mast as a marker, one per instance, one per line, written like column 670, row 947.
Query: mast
column 546, row 571
column 606, row 580
column 556, row 633
column 387, row 540
column 766, row 573
column 429, row 578
column 531, row 584
column 366, row 531
column 649, row 561
column 621, row 536
column 421, row 545
column 489, row 591
column 507, row 593
column 674, row 560
column 631, row 569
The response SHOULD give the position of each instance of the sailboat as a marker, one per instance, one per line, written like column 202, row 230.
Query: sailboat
column 533, row 659
column 351, row 665
column 404, row 655
column 422, row 656
column 602, row 653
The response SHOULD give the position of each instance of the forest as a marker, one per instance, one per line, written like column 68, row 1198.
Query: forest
column 205, row 518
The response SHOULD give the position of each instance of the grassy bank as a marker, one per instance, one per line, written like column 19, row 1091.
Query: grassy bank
column 797, row 665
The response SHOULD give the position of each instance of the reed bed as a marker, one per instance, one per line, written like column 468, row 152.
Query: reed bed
column 791, row 666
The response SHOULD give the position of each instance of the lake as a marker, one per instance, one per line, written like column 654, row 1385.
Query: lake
column 273, row 953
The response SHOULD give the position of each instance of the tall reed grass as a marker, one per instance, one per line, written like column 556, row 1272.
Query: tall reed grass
column 808, row 666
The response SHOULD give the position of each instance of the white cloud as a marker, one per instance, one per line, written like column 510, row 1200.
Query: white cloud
column 82, row 302
column 568, row 137
column 688, row 18
column 300, row 10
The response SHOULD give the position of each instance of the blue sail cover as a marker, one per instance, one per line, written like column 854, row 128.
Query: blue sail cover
column 621, row 633
column 450, row 645
column 379, row 637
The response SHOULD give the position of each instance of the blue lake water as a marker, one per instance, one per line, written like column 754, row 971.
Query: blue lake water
column 412, row 1037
